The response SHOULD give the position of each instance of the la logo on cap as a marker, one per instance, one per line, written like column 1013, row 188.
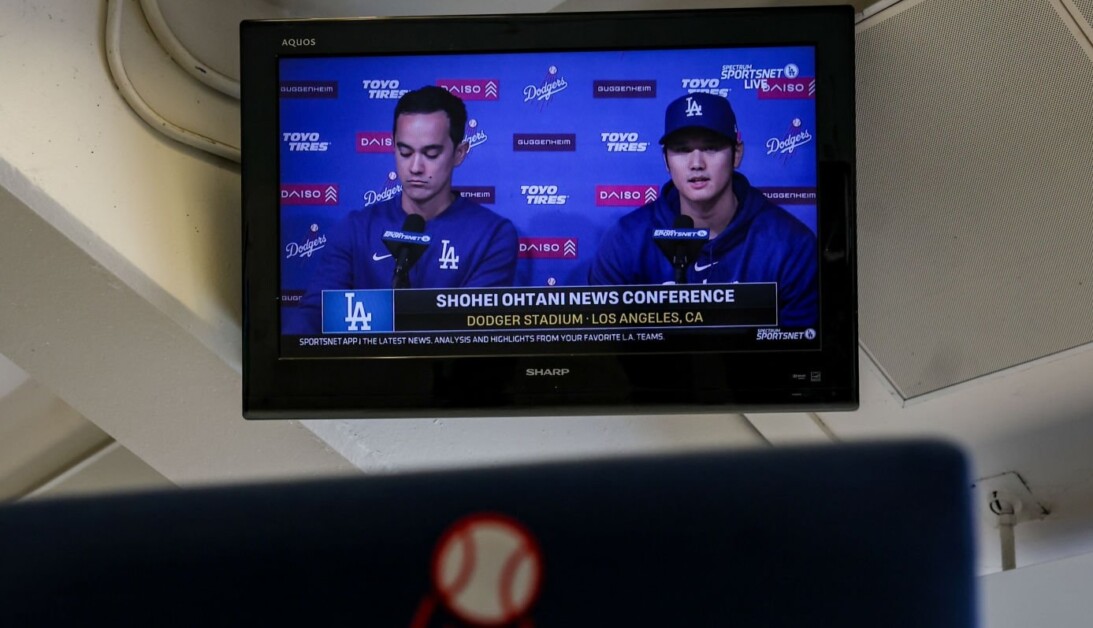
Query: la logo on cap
column 693, row 108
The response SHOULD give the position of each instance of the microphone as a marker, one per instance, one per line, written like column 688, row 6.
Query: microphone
column 681, row 244
column 407, row 246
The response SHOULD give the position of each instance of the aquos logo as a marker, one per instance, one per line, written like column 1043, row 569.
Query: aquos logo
column 309, row 194
column 543, row 195
column 548, row 248
column 624, row 142
column 304, row 142
column 705, row 85
column 383, row 89
column 298, row 42
column 625, row 195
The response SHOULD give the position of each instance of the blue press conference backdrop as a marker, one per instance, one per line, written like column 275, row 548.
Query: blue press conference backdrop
column 600, row 114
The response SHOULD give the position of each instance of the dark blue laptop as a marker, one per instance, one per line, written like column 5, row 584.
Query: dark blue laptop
column 869, row 535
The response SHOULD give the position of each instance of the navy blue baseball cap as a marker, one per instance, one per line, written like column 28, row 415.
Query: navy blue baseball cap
column 700, row 110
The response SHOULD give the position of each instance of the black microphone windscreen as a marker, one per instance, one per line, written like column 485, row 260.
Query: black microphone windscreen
column 414, row 223
column 684, row 221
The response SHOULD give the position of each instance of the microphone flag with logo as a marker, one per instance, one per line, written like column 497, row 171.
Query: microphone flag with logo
column 407, row 246
column 681, row 244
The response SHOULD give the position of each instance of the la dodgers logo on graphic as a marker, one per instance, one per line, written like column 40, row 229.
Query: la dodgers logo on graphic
column 448, row 258
column 795, row 137
column 390, row 189
column 552, row 84
column 314, row 242
column 693, row 108
column 359, row 319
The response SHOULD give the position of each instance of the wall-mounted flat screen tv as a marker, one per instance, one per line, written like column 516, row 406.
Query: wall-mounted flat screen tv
column 593, row 213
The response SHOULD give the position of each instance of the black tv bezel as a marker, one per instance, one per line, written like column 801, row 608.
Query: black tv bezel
column 275, row 387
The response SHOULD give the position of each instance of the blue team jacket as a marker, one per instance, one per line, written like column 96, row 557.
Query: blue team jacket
column 470, row 246
column 763, row 242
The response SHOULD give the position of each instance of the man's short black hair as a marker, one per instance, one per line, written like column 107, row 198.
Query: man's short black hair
column 430, row 99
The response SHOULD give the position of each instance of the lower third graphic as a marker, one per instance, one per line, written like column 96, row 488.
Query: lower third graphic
column 358, row 311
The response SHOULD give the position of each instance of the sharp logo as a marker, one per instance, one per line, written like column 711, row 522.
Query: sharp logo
column 546, row 372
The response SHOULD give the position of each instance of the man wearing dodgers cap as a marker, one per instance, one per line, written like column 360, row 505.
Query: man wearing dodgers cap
column 751, row 238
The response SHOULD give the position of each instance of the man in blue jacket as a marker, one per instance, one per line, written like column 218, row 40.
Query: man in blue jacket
column 751, row 238
column 468, row 245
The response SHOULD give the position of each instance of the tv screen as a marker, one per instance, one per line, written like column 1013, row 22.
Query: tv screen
column 596, row 213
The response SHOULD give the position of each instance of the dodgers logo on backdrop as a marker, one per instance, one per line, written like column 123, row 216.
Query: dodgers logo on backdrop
column 309, row 89
column 312, row 242
column 625, row 195
column 705, row 85
column 543, row 195
column 375, row 142
column 391, row 188
column 309, row 194
column 623, row 142
column 552, row 83
column 548, row 248
column 358, row 311
column 472, row 135
column 305, row 142
column 795, row 136
column 383, row 89
column 472, row 89
column 624, row 89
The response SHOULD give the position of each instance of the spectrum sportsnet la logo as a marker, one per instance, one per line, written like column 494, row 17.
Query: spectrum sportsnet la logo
column 375, row 142
column 795, row 136
column 309, row 194
column 543, row 195
column 624, row 89
column 472, row 89
column 548, row 248
column 756, row 78
column 314, row 241
column 309, row 142
column 391, row 188
column 705, row 85
column 623, row 142
column 472, row 135
column 552, row 83
column 778, row 334
column 479, row 194
column 383, row 89
column 625, row 195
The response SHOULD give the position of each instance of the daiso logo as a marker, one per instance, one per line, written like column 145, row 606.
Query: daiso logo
column 625, row 195
column 548, row 248
column 309, row 194
column 375, row 142
column 472, row 89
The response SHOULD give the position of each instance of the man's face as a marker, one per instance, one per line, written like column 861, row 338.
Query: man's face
column 425, row 157
column 701, row 164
